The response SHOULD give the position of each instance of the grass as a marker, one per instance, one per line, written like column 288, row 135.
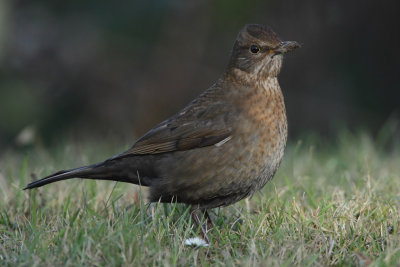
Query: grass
column 331, row 203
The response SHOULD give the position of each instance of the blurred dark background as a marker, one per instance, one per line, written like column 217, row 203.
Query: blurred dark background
column 99, row 68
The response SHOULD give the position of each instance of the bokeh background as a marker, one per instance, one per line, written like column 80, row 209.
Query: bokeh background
column 102, row 68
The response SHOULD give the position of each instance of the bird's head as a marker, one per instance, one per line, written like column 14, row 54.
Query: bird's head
column 258, row 52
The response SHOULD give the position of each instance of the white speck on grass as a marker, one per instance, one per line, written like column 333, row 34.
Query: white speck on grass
column 196, row 241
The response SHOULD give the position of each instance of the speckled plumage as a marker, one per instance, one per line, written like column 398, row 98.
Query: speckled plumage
column 224, row 146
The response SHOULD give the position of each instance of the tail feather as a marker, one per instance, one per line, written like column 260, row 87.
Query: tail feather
column 58, row 176
column 102, row 171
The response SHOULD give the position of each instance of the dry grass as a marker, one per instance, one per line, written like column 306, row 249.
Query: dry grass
column 333, row 203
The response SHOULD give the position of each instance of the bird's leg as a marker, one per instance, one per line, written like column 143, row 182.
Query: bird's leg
column 203, row 226
column 209, row 222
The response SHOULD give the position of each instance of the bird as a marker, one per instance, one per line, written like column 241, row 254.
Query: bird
column 222, row 147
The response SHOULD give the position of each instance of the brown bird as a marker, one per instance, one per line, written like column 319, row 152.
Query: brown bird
column 222, row 147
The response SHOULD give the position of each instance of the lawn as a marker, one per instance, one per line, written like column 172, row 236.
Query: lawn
column 332, row 202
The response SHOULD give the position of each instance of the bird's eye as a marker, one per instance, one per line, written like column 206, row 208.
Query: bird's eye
column 254, row 49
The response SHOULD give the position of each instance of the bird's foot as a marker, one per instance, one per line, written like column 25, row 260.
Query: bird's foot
column 204, row 222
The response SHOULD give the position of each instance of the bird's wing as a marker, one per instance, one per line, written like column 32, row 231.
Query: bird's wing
column 168, row 140
column 198, row 125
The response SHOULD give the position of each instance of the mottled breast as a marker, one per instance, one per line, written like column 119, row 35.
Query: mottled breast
column 266, row 117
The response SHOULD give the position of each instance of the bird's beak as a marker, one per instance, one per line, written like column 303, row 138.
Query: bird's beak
column 286, row 46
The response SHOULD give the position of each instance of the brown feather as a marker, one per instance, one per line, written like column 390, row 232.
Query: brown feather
column 192, row 140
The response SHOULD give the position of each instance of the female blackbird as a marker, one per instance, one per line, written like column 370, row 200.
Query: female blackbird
column 222, row 147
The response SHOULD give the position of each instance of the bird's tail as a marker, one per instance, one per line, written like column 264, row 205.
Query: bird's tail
column 107, row 170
